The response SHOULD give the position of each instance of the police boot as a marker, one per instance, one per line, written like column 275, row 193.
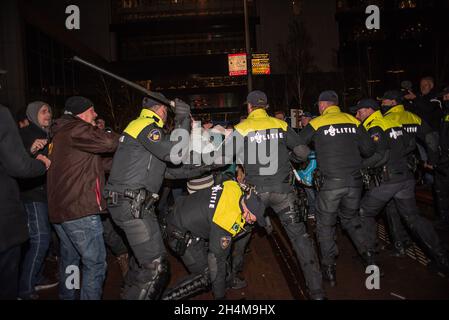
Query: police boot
column 237, row 283
column 329, row 274
column 440, row 263
column 317, row 295
column 369, row 259
column 149, row 282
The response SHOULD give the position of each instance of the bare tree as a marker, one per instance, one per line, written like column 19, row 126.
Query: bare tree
column 296, row 57
column 120, row 104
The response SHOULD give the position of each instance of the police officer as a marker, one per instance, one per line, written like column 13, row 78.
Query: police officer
column 138, row 169
column 340, row 144
column 202, row 226
column 393, row 109
column 442, row 168
column 262, row 147
column 389, row 161
column 398, row 184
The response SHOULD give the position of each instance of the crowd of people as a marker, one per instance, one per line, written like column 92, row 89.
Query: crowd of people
column 96, row 189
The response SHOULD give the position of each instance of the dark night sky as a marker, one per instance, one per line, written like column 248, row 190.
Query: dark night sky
column 319, row 20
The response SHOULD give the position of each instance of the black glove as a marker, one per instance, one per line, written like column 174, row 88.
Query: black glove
column 182, row 110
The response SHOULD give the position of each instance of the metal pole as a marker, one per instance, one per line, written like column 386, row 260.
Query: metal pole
column 129, row 83
column 248, row 47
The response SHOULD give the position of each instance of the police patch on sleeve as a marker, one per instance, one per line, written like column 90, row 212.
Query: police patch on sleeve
column 225, row 242
column 154, row 135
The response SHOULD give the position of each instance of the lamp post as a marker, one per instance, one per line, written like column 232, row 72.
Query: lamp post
column 248, row 47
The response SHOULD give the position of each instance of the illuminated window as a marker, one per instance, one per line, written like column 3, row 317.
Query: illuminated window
column 407, row 4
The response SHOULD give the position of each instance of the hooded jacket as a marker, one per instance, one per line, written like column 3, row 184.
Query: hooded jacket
column 34, row 189
column 76, row 176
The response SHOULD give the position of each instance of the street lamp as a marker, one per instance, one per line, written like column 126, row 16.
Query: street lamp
column 248, row 47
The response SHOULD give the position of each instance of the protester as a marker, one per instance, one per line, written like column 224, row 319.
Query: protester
column 14, row 163
column 75, row 184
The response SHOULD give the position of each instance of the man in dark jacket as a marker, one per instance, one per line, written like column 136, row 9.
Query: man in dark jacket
column 35, row 138
column 425, row 104
column 14, row 162
column 75, row 185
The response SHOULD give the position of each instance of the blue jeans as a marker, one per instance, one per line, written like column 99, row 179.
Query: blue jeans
column 36, row 249
column 82, row 241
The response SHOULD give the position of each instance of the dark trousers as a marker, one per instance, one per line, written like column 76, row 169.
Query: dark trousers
column 403, row 194
column 284, row 205
column 398, row 233
column 238, row 252
column 113, row 236
column 143, row 235
column 145, row 239
column 441, row 193
column 9, row 273
column 343, row 203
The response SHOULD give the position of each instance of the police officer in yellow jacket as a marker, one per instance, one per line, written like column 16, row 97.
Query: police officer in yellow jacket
column 393, row 109
column 138, row 169
column 262, row 147
column 202, row 226
column 341, row 143
column 387, row 166
column 397, row 184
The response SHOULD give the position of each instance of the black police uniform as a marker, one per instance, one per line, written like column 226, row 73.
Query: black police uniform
column 140, row 163
column 273, row 138
column 421, row 131
column 340, row 143
column 201, row 229
column 398, row 185
column 442, row 171
column 394, row 145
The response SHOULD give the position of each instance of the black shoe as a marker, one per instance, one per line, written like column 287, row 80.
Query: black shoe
column 317, row 295
column 329, row 274
column 238, row 283
column 441, row 264
column 369, row 259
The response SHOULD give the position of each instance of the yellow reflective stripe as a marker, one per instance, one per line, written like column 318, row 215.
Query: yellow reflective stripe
column 228, row 214
column 332, row 118
column 135, row 127
column 446, row 118
column 377, row 120
column 146, row 118
column 259, row 120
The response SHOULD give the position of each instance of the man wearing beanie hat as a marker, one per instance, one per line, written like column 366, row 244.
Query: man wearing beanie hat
column 75, row 184
column 36, row 140
column 216, row 216
column 142, row 161
column 341, row 143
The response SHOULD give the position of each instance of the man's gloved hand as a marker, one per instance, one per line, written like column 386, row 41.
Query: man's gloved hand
column 182, row 110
